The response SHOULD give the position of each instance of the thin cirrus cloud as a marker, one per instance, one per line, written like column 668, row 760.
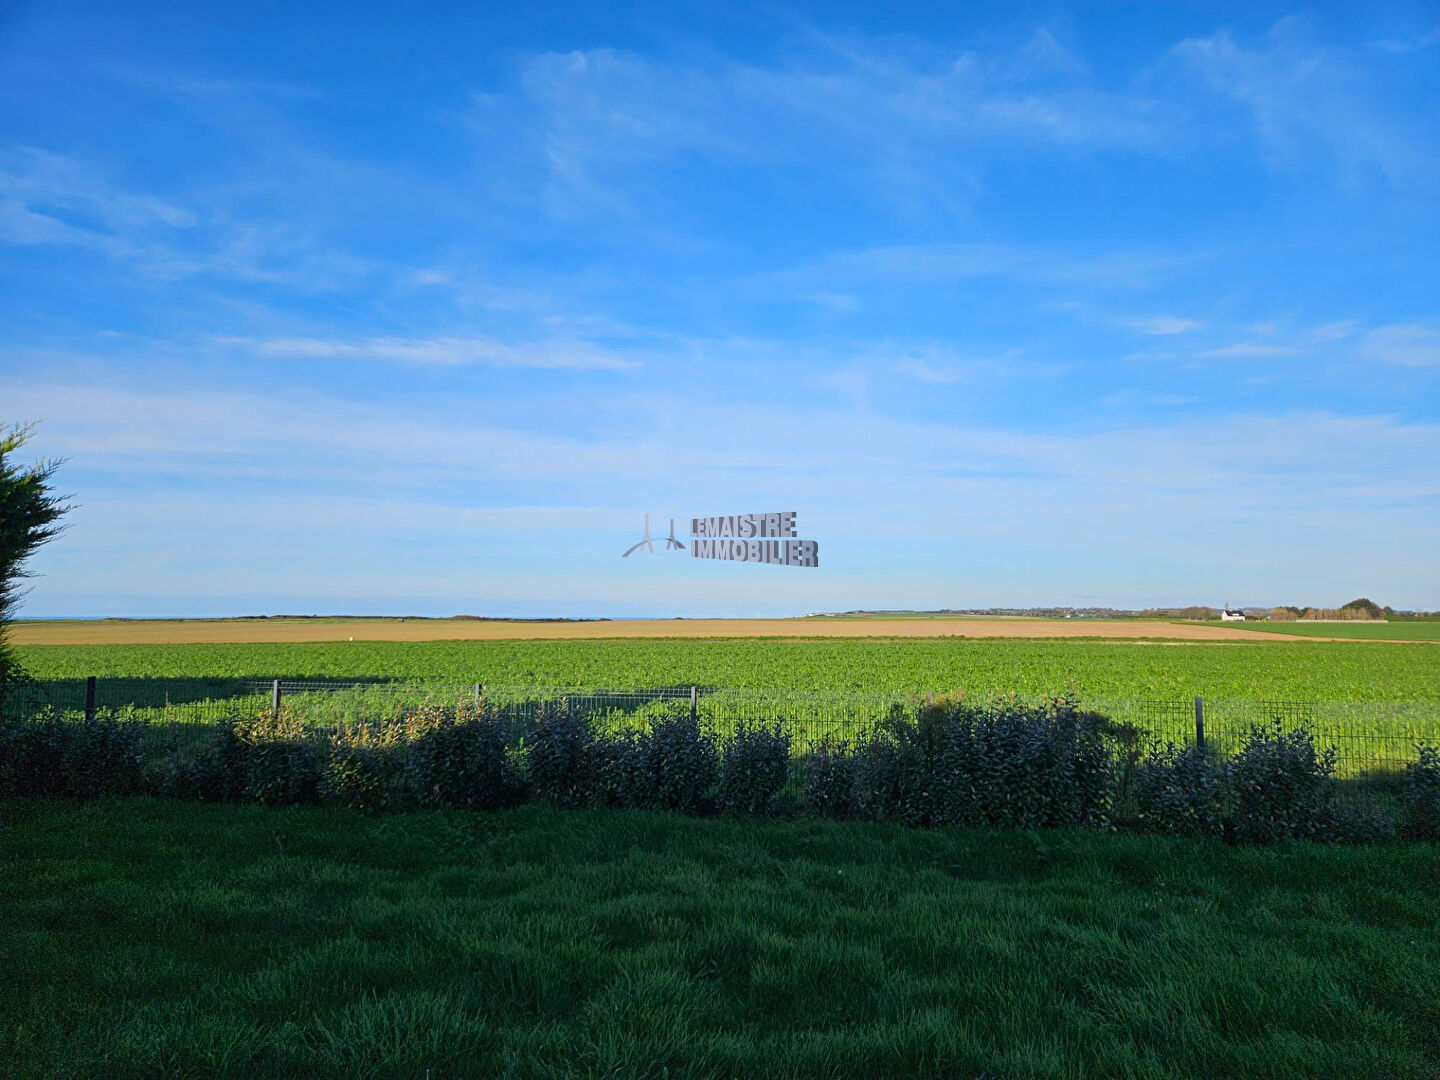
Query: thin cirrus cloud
column 1410, row 344
column 1162, row 325
column 1098, row 486
column 567, row 355
column 50, row 199
column 211, row 434
column 914, row 115
column 1310, row 102
column 926, row 372
column 1271, row 340
column 1249, row 350
column 935, row 365
column 939, row 263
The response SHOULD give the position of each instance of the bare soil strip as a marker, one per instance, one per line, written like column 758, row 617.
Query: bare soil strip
column 201, row 631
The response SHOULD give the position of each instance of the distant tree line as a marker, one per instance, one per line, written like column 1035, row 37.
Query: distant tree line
column 1361, row 609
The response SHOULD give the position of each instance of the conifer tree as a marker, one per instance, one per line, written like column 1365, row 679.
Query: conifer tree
column 30, row 513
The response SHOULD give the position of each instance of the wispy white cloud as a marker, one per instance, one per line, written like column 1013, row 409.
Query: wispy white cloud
column 52, row 199
column 1274, row 338
column 1162, row 325
column 862, row 476
column 1131, row 396
column 1310, row 103
column 832, row 301
column 46, row 198
column 925, row 372
column 920, row 117
column 1039, row 92
column 940, row 365
column 1249, row 350
column 836, row 450
column 930, row 263
column 1413, row 44
column 559, row 354
column 1410, row 344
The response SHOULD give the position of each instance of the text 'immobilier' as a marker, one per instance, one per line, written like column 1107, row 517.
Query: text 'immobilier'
column 762, row 538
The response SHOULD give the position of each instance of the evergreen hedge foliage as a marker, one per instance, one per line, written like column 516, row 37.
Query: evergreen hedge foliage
column 1004, row 765
column 459, row 758
column 753, row 770
column 1421, row 797
column 51, row 756
column 827, row 786
column 1179, row 790
column 366, row 768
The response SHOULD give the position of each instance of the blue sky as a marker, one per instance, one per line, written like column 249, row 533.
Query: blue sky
column 338, row 310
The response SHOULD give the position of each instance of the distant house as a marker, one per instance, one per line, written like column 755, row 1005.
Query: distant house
column 1232, row 615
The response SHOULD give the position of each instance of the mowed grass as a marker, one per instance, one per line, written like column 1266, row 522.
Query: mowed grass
column 1300, row 671
column 150, row 939
column 1420, row 630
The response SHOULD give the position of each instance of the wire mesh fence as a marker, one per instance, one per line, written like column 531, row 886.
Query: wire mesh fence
column 1372, row 739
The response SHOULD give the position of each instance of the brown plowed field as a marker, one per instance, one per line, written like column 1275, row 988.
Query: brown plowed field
column 188, row 631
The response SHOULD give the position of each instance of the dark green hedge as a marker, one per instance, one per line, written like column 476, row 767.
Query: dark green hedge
column 1003, row 764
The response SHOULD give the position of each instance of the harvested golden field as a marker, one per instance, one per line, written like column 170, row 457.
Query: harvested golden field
column 204, row 631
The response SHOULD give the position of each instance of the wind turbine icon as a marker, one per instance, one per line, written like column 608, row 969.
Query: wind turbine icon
column 649, row 545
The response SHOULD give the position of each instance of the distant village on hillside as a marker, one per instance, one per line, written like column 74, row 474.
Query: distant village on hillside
column 1362, row 610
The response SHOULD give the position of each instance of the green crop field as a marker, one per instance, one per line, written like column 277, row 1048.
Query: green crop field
column 1396, row 687
column 1303, row 671
column 144, row 939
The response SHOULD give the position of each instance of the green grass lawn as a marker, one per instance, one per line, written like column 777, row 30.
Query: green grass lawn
column 1394, row 631
column 147, row 939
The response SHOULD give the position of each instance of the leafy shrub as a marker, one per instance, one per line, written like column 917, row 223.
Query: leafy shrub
column 754, row 769
column 570, row 764
column 1281, row 786
column 52, row 756
column 1128, row 743
column 215, row 772
column 894, row 768
column 104, row 757
column 366, row 766
column 611, row 771
column 32, row 756
column 672, row 766
column 1011, row 765
column 1179, row 790
column 460, row 758
column 1421, row 795
column 827, row 780
column 1359, row 820
column 1004, row 765
column 281, row 759
column 566, row 761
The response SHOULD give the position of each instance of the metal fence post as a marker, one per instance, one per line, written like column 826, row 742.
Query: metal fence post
column 1199, row 722
column 478, row 689
column 275, row 700
column 694, row 704
column 90, row 697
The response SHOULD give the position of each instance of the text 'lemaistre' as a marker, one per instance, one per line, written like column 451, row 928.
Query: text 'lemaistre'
column 762, row 538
